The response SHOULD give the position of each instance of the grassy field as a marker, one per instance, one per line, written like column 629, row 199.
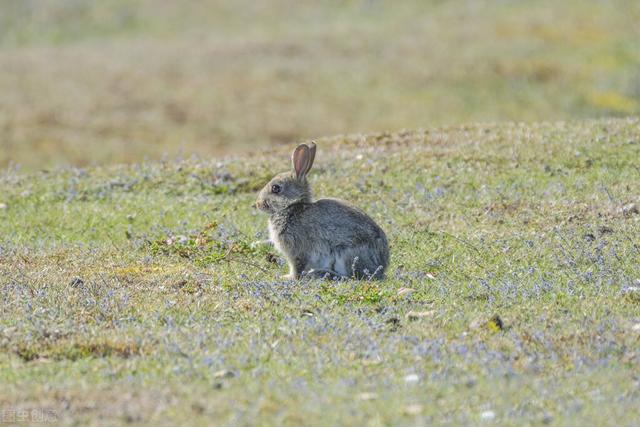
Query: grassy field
column 134, row 136
column 132, row 294
column 114, row 81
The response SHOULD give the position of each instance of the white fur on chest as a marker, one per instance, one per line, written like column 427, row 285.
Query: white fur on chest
column 273, row 236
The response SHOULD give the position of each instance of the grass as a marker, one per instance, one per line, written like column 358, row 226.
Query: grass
column 105, row 82
column 132, row 294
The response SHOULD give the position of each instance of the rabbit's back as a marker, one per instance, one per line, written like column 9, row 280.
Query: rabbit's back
column 342, row 221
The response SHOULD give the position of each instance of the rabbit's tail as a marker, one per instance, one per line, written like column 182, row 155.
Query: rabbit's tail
column 380, row 259
column 382, row 249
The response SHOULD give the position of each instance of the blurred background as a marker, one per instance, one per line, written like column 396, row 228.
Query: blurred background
column 110, row 81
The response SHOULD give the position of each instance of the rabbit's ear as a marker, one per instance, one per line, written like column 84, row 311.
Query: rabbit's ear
column 301, row 160
column 312, row 155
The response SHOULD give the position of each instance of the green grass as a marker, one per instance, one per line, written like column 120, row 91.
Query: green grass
column 117, row 81
column 131, row 294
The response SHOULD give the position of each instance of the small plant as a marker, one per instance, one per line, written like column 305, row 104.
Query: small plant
column 210, row 245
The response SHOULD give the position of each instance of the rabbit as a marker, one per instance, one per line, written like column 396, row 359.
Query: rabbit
column 320, row 238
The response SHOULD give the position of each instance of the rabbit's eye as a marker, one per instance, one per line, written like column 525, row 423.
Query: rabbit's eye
column 275, row 188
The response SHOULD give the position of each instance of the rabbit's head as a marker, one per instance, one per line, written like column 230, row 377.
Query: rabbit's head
column 288, row 188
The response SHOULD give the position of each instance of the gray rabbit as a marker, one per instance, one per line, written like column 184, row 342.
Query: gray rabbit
column 325, row 237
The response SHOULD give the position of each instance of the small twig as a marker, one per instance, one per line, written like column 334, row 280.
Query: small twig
column 461, row 240
column 606, row 190
column 113, row 243
column 251, row 264
column 467, row 243
column 226, row 257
